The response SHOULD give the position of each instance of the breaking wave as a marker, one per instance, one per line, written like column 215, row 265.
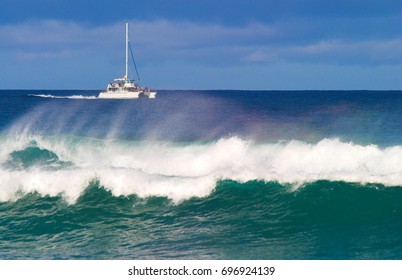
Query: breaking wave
column 67, row 165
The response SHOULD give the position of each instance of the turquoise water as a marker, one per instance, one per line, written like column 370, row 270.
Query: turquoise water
column 201, row 175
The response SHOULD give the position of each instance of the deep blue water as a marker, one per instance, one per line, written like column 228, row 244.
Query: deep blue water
column 201, row 175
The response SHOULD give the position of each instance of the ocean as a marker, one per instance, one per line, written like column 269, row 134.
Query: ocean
column 218, row 174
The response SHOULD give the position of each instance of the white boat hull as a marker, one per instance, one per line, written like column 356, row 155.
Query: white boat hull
column 127, row 94
column 119, row 94
column 150, row 94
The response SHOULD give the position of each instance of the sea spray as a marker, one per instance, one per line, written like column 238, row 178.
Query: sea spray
column 201, row 175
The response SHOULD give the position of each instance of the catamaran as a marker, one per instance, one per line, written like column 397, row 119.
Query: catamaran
column 126, row 88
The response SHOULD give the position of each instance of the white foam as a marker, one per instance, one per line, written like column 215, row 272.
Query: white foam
column 183, row 171
column 63, row 97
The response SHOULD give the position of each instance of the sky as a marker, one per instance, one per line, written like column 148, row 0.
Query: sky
column 203, row 44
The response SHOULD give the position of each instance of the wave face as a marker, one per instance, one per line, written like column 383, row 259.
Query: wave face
column 254, row 220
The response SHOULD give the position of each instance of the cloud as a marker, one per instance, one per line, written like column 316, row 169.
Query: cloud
column 190, row 49
column 40, row 55
column 188, row 34
column 42, row 33
column 259, row 55
column 50, row 38
column 161, row 41
column 369, row 52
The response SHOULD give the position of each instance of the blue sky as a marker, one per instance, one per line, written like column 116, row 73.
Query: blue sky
column 204, row 44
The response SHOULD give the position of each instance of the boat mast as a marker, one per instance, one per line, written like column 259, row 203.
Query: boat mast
column 127, row 50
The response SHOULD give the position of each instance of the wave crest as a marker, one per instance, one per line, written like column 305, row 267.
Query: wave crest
column 182, row 171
